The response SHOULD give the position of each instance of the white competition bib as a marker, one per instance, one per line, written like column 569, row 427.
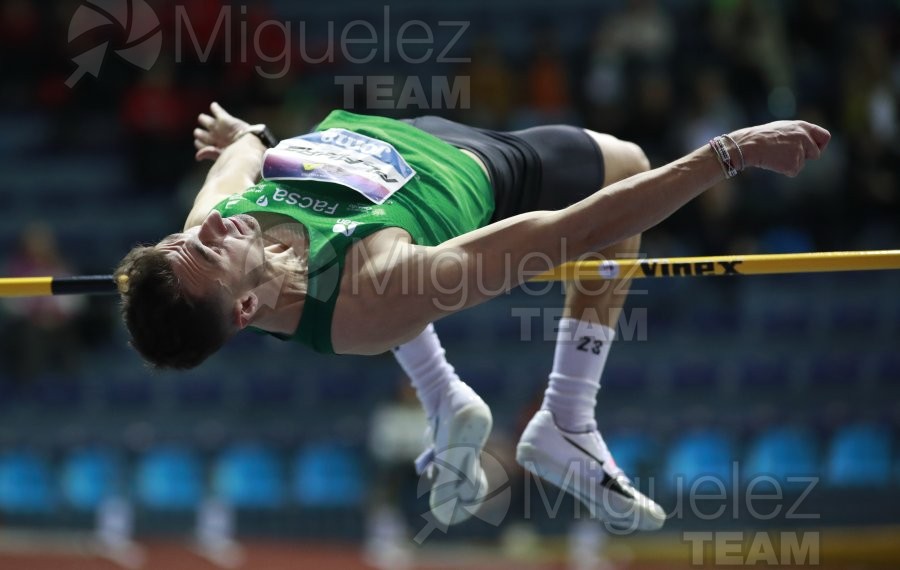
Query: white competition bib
column 372, row 167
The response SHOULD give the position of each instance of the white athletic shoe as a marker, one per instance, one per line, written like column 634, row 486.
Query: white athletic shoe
column 580, row 464
column 453, row 462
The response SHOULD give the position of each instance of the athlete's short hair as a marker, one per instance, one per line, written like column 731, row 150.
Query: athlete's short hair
column 169, row 328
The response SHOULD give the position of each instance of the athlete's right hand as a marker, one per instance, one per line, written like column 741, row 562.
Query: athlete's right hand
column 782, row 146
column 216, row 132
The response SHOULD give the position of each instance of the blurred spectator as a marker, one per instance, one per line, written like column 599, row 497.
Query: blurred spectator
column 870, row 97
column 870, row 102
column 750, row 37
column 548, row 93
column 158, row 119
column 20, row 40
column 712, row 110
column 652, row 114
column 642, row 32
column 492, row 84
column 631, row 53
column 40, row 334
column 605, row 84
column 396, row 437
column 663, row 74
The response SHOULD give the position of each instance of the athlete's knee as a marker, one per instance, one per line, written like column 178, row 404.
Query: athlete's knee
column 635, row 158
column 639, row 160
column 624, row 160
column 621, row 159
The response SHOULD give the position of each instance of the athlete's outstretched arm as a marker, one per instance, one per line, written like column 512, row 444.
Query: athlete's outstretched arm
column 482, row 264
column 238, row 160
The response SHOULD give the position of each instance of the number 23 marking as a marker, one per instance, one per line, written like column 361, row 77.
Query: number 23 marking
column 585, row 344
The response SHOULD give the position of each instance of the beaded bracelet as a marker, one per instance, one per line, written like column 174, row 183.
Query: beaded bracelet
column 739, row 151
column 718, row 146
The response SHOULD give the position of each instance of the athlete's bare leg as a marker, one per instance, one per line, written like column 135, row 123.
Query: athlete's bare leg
column 602, row 301
column 563, row 434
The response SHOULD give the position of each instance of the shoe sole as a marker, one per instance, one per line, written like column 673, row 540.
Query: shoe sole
column 468, row 433
column 535, row 461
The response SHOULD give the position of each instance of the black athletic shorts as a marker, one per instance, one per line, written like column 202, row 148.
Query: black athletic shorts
column 541, row 168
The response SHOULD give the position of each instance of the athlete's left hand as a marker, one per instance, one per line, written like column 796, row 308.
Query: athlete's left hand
column 216, row 131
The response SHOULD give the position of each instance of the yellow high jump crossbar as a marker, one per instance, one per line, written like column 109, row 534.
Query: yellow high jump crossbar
column 596, row 270
column 764, row 264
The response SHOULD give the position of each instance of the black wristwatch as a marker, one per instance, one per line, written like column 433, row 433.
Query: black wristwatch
column 263, row 133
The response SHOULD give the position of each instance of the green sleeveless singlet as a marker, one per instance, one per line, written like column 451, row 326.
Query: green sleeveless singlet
column 448, row 195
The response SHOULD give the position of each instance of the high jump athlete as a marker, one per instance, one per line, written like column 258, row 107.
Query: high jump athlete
column 355, row 237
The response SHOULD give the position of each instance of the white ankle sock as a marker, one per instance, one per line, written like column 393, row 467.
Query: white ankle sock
column 424, row 362
column 581, row 351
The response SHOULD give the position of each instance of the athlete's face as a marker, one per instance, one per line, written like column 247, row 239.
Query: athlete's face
column 227, row 251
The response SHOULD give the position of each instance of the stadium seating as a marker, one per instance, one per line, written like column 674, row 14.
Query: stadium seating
column 699, row 454
column 764, row 373
column 269, row 390
column 836, row 370
column 625, row 379
column 632, row 451
column 786, row 321
column 169, row 477
column 26, row 483
column 249, row 476
column 859, row 456
column 783, row 453
column 199, row 390
column 889, row 369
column 57, row 391
column 129, row 394
column 714, row 320
column 327, row 475
column 697, row 376
column 89, row 476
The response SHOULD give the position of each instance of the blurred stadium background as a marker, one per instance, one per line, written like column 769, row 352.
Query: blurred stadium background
column 270, row 456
